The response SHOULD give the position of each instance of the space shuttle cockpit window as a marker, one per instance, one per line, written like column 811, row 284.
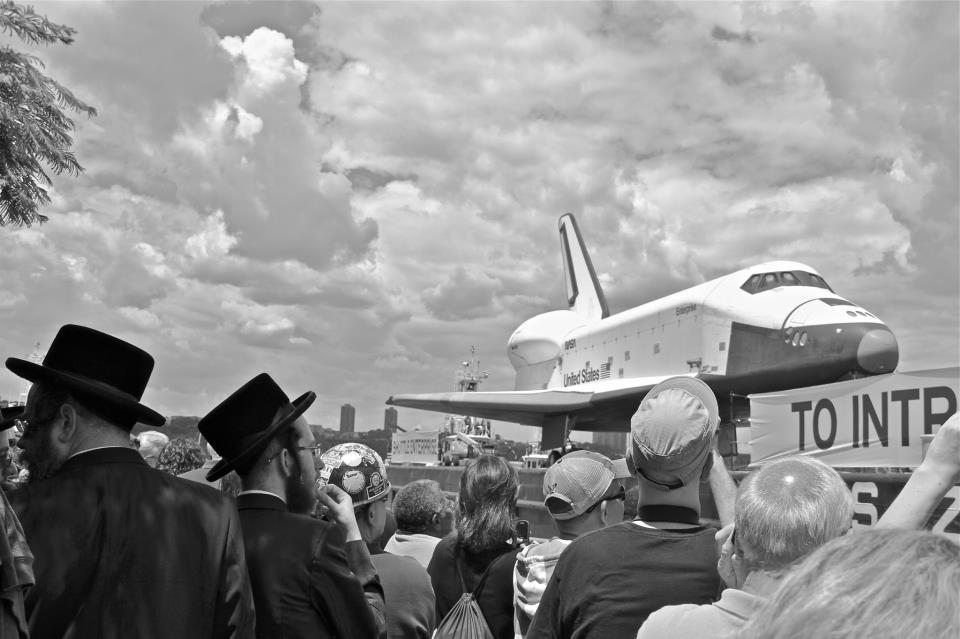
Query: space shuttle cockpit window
column 770, row 280
column 760, row 282
column 811, row 279
column 750, row 286
column 789, row 279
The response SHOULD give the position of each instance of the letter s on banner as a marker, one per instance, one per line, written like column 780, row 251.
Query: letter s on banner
column 866, row 509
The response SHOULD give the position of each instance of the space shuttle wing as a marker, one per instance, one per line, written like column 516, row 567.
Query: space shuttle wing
column 630, row 388
column 602, row 406
column 519, row 407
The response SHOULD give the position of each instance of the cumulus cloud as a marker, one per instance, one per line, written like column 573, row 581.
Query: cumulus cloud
column 462, row 295
column 355, row 193
column 142, row 318
column 269, row 63
column 212, row 241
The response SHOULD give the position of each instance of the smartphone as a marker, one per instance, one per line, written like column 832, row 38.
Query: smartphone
column 522, row 532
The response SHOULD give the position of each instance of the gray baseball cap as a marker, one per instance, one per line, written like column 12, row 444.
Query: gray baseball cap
column 672, row 432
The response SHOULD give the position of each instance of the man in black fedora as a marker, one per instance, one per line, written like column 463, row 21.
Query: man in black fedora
column 310, row 578
column 121, row 549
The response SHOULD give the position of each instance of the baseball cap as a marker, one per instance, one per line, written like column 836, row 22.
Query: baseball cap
column 578, row 480
column 672, row 432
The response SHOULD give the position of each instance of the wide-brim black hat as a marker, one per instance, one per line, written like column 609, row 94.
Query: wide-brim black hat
column 242, row 425
column 109, row 373
column 9, row 416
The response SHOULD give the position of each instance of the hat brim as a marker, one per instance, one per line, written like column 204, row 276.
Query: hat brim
column 9, row 416
column 224, row 466
column 383, row 495
column 124, row 401
column 621, row 468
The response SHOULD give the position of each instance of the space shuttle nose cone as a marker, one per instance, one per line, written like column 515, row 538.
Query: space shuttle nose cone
column 878, row 351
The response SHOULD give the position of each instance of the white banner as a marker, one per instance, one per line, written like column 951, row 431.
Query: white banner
column 863, row 423
column 414, row 448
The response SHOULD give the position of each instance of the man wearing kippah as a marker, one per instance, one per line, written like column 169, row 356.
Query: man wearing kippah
column 359, row 471
column 583, row 491
column 608, row 581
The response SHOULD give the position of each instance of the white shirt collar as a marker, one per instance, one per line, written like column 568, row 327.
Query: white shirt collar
column 261, row 492
column 90, row 450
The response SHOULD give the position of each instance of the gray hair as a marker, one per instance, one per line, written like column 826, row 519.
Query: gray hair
column 152, row 441
column 788, row 508
column 882, row 584
column 416, row 503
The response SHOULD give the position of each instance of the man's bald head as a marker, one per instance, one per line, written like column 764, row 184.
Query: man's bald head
column 788, row 508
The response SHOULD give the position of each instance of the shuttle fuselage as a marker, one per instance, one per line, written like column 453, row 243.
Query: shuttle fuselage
column 737, row 333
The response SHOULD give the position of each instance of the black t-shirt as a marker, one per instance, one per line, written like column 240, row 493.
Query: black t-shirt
column 496, row 598
column 608, row 581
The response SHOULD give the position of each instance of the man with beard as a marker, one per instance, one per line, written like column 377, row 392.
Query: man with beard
column 310, row 578
column 122, row 549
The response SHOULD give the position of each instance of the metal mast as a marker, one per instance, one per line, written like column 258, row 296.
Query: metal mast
column 37, row 358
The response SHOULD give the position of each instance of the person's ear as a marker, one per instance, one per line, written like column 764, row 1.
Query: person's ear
column 65, row 424
column 286, row 464
column 603, row 513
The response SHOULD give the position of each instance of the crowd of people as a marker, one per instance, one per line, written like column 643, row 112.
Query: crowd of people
column 262, row 534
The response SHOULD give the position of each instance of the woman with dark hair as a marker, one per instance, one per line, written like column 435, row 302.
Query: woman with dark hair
column 481, row 548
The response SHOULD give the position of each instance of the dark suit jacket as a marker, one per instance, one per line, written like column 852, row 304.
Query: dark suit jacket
column 123, row 550
column 411, row 605
column 307, row 582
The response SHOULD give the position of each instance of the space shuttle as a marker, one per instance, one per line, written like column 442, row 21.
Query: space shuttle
column 770, row 327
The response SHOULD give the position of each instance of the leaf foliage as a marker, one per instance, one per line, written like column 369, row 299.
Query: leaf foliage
column 36, row 134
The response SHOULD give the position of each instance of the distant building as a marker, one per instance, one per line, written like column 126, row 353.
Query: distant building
column 390, row 419
column 616, row 442
column 347, row 415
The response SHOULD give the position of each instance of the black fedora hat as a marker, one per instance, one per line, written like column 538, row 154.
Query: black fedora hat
column 9, row 416
column 242, row 425
column 108, row 372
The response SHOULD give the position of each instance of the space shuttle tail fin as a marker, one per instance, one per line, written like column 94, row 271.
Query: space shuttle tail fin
column 584, row 295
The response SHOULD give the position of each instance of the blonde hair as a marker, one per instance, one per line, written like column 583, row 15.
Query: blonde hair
column 877, row 584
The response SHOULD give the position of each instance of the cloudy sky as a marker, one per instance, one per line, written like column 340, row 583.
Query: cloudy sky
column 351, row 195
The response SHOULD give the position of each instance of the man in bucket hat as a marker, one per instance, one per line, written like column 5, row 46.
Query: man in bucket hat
column 310, row 578
column 121, row 549
column 608, row 581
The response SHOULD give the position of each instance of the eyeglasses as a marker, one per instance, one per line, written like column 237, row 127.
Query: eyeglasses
column 620, row 494
column 24, row 425
column 314, row 451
